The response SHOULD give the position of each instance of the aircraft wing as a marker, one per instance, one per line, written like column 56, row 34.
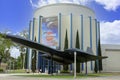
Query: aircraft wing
column 62, row 57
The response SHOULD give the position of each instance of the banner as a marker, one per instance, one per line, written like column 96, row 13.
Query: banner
column 50, row 32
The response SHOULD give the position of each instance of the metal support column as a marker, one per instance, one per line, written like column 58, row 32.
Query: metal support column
column 86, row 72
column 71, row 34
column 82, row 38
column 51, row 65
column 75, row 64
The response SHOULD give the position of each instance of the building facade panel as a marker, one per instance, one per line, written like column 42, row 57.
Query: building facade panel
column 111, row 64
column 65, row 9
column 76, row 27
column 65, row 26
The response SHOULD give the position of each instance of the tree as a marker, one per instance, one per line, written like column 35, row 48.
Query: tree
column 5, row 45
column 34, row 59
column 0, row 60
column 18, row 63
column 66, row 41
column 96, row 67
column 99, row 54
column 98, row 63
column 7, row 54
column 77, row 40
column 65, row 67
column 77, row 46
column 26, row 57
column 23, row 50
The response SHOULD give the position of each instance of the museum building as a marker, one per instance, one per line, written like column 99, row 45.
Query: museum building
column 56, row 25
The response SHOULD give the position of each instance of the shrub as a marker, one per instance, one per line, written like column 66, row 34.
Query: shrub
column 1, row 70
column 64, row 71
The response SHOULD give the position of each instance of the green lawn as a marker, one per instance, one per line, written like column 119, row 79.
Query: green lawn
column 66, row 76
column 61, row 75
column 17, row 71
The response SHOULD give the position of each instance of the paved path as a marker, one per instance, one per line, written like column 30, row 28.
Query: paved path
column 11, row 77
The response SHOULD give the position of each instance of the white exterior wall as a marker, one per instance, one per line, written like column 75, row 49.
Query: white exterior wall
column 65, row 9
column 31, row 27
column 86, row 32
column 76, row 27
column 86, row 36
column 36, row 27
column 94, row 36
column 111, row 64
column 65, row 23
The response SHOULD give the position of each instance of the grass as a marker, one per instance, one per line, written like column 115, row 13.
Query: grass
column 63, row 75
column 60, row 76
column 17, row 71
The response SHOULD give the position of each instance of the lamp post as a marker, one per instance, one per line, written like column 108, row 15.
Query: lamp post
column 23, row 51
column 75, row 64
column 10, row 65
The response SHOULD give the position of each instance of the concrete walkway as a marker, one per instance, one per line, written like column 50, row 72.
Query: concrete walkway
column 11, row 77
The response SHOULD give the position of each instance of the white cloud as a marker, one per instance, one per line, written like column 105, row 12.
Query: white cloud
column 84, row 2
column 51, row 1
column 109, row 4
column 14, row 52
column 34, row 5
column 110, row 32
column 45, row 2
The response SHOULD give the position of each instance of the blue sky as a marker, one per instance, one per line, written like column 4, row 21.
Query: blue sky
column 16, row 14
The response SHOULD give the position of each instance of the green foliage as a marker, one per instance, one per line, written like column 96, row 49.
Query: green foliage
column 99, row 54
column 5, row 45
column 34, row 59
column 77, row 46
column 96, row 68
column 64, row 71
column 19, row 63
column 15, row 63
column 68, row 77
column 12, row 63
column 1, row 70
column 66, row 41
column 98, row 63
column 65, row 67
column 23, row 55
column 77, row 40
column 26, row 58
column 17, row 71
